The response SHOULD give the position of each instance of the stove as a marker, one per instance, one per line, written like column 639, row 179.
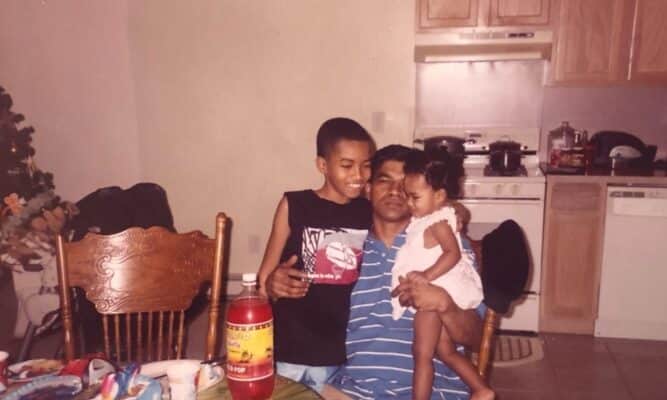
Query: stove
column 520, row 171
column 494, row 197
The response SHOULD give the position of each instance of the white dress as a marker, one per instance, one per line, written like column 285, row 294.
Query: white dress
column 462, row 282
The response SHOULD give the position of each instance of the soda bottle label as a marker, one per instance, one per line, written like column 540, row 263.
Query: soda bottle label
column 249, row 350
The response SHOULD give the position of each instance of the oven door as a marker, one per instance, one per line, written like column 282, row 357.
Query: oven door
column 486, row 215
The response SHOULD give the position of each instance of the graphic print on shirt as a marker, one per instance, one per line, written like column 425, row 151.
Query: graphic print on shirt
column 332, row 256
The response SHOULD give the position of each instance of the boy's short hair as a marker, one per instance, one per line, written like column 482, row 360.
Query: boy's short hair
column 392, row 152
column 336, row 129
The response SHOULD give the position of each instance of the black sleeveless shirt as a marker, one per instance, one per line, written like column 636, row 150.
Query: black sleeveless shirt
column 328, row 239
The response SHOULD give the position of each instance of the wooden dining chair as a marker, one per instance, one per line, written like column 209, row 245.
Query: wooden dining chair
column 141, row 281
column 488, row 324
column 504, row 259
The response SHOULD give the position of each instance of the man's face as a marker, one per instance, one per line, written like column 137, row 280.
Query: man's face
column 387, row 194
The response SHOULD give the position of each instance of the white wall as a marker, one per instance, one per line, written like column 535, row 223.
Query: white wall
column 231, row 93
column 216, row 100
column 66, row 65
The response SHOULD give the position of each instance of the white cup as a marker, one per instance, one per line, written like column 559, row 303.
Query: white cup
column 181, row 377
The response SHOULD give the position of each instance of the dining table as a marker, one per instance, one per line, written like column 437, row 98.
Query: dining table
column 285, row 389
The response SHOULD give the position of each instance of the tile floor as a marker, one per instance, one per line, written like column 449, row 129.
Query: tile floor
column 574, row 367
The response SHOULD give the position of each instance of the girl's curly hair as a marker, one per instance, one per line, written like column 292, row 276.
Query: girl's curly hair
column 440, row 169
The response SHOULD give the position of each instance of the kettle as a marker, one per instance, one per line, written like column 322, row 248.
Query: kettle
column 453, row 144
column 505, row 156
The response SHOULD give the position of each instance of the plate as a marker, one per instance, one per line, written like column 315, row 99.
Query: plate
column 47, row 387
column 28, row 370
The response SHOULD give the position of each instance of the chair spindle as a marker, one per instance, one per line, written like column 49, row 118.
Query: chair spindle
column 181, row 327
column 140, row 344
column 160, row 330
column 151, row 352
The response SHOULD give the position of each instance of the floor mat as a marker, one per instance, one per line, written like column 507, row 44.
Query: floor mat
column 513, row 350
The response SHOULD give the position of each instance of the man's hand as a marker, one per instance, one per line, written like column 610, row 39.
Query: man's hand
column 414, row 292
column 418, row 277
column 285, row 281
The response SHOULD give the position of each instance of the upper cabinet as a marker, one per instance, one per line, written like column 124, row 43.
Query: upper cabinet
column 446, row 14
column 592, row 40
column 519, row 12
column 649, row 45
column 610, row 42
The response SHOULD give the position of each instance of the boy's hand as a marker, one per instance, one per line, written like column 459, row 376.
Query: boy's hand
column 285, row 281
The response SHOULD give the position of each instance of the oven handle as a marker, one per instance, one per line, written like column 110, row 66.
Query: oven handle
column 502, row 200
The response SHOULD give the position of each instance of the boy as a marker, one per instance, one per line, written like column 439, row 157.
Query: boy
column 325, row 229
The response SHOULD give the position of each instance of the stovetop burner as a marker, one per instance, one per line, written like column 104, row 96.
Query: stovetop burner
column 520, row 171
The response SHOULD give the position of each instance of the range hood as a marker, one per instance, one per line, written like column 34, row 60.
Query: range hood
column 483, row 46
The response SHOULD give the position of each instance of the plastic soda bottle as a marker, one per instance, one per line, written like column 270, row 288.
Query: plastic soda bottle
column 249, row 344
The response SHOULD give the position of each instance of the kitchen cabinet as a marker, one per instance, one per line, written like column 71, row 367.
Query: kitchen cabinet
column 519, row 12
column 649, row 46
column 573, row 231
column 445, row 14
column 572, row 256
column 610, row 42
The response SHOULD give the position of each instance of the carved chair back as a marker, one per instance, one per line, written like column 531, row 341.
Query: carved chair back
column 141, row 281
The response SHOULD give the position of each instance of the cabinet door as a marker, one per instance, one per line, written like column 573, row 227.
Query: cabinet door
column 572, row 257
column 593, row 41
column 649, row 50
column 448, row 13
column 519, row 12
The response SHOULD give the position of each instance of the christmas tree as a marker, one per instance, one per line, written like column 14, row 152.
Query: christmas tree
column 31, row 214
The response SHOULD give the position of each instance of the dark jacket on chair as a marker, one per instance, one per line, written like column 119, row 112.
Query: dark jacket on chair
column 505, row 265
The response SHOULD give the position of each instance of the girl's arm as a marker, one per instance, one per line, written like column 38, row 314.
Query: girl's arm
column 274, row 247
column 451, row 254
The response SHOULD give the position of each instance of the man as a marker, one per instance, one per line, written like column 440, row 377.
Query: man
column 379, row 349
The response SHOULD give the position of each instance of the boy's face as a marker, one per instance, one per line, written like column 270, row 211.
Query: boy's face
column 346, row 169
column 422, row 199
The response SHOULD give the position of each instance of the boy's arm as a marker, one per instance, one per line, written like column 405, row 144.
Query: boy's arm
column 274, row 247
column 451, row 254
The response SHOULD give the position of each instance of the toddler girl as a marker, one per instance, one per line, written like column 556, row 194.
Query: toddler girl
column 432, row 252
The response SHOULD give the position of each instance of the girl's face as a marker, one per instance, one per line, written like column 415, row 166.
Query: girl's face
column 422, row 198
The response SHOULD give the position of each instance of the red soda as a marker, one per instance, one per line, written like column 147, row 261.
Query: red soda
column 249, row 343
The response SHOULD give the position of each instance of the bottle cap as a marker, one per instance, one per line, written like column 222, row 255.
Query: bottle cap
column 249, row 277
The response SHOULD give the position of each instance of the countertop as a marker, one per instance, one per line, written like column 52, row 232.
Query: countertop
column 618, row 175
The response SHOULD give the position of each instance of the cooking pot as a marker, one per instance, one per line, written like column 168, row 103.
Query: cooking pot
column 505, row 156
column 453, row 144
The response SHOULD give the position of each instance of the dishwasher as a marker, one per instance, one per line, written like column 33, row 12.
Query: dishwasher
column 633, row 296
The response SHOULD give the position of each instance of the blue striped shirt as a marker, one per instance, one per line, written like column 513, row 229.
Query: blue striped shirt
column 379, row 349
